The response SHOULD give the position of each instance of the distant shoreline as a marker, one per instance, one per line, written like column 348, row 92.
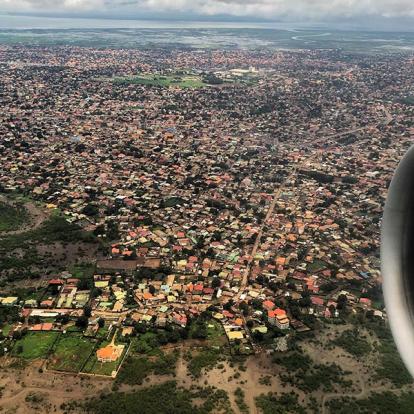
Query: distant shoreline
column 32, row 22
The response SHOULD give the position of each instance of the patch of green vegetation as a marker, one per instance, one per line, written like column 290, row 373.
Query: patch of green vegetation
column 71, row 352
column 316, row 266
column 12, row 217
column 55, row 229
column 205, row 359
column 103, row 332
column 307, row 376
column 215, row 334
column 265, row 380
column 9, row 314
column 239, row 398
column 352, row 342
column 385, row 402
column 182, row 81
column 274, row 404
column 294, row 361
column 136, row 369
column 166, row 398
column 82, row 270
column 407, row 100
column 172, row 202
column 34, row 345
column 391, row 366
column 146, row 343
column 6, row 329
column 34, row 398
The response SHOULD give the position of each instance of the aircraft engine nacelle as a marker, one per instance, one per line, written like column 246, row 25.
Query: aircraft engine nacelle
column 397, row 257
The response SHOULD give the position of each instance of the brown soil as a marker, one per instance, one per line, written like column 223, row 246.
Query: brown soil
column 54, row 388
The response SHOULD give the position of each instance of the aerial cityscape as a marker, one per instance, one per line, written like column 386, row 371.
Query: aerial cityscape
column 194, row 227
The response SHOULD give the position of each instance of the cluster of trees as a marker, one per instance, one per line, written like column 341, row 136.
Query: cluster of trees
column 83, row 320
column 136, row 369
column 205, row 359
column 212, row 79
column 166, row 398
column 384, row 402
column 353, row 342
column 152, row 274
column 303, row 373
column 272, row 403
column 318, row 176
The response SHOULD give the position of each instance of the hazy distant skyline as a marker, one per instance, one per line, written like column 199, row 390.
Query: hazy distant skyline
column 390, row 13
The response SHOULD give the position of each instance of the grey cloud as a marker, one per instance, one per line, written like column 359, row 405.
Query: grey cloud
column 255, row 8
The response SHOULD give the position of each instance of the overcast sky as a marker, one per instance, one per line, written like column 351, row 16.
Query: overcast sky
column 316, row 10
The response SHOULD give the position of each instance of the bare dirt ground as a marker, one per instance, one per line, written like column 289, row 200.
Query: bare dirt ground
column 224, row 378
column 56, row 257
column 360, row 369
column 55, row 389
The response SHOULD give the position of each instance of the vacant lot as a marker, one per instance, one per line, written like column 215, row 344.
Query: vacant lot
column 71, row 352
column 34, row 345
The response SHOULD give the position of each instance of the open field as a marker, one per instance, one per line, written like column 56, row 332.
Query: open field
column 34, row 345
column 82, row 270
column 215, row 334
column 70, row 352
column 182, row 81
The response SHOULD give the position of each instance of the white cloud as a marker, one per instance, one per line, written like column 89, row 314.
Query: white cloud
column 257, row 8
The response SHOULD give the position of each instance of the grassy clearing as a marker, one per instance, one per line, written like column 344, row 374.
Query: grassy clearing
column 215, row 334
column 71, row 352
column 162, row 80
column 93, row 366
column 316, row 266
column 12, row 217
column 34, row 345
column 82, row 270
